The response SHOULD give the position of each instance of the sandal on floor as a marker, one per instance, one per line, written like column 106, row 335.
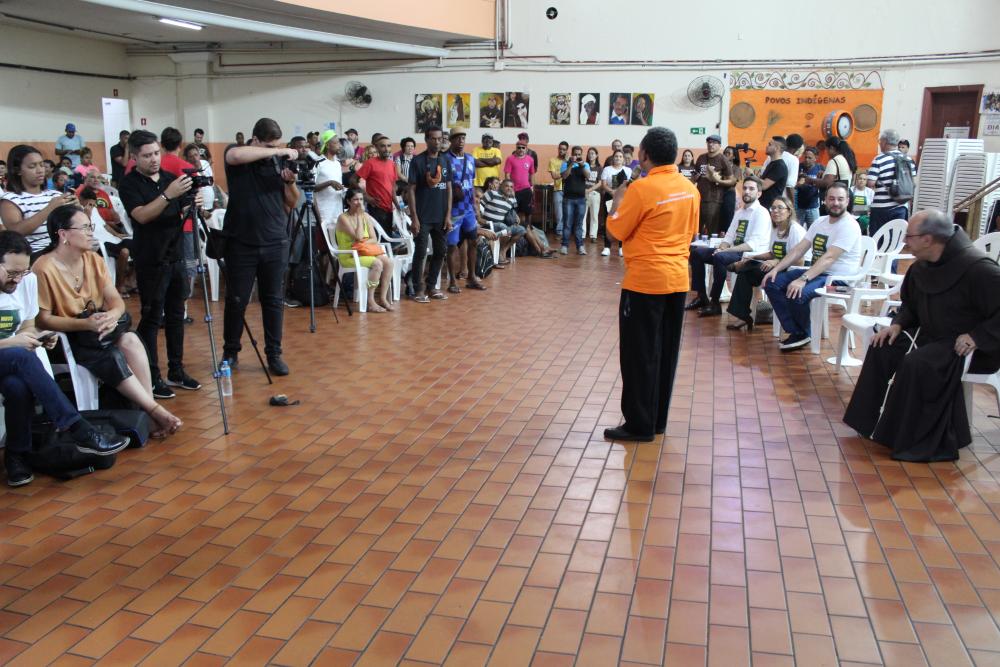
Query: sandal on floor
column 423, row 298
column 439, row 296
column 454, row 289
column 479, row 286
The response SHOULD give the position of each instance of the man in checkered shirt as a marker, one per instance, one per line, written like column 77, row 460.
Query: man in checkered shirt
column 464, row 215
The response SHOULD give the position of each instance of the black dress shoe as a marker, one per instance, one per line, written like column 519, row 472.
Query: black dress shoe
column 697, row 304
column 710, row 310
column 277, row 366
column 661, row 431
column 619, row 433
column 93, row 441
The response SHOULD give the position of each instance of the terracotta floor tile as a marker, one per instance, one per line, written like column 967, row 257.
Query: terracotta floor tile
column 683, row 655
column 688, row 622
column 515, row 647
column 563, row 631
column 434, row 639
column 769, row 631
column 644, row 640
column 728, row 646
column 854, row 638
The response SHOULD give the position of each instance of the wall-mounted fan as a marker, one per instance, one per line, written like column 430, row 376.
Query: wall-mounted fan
column 357, row 94
column 705, row 91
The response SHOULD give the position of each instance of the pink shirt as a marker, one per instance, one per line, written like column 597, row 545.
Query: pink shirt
column 520, row 170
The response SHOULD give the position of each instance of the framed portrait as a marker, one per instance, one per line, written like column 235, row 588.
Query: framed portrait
column 515, row 109
column 560, row 109
column 590, row 108
column 642, row 109
column 427, row 111
column 491, row 110
column 619, row 108
column 459, row 110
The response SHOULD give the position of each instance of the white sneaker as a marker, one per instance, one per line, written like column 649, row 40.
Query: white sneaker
column 564, row 250
column 620, row 253
column 581, row 251
column 606, row 252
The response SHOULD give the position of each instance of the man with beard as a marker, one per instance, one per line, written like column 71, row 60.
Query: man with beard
column 835, row 240
column 491, row 116
column 23, row 378
column 909, row 394
column 713, row 176
column 748, row 234
column 378, row 182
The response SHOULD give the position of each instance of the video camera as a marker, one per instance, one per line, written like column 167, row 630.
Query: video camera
column 746, row 149
column 304, row 169
column 197, row 180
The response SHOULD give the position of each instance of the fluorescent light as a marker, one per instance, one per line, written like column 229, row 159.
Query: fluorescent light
column 181, row 24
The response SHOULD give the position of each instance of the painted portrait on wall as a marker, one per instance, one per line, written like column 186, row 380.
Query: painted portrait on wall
column 642, row 109
column 590, row 108
column 427, row 111
column 491, row 110
column 619, row 105
column 515, row 110
column 560, row 109
column 459, row 111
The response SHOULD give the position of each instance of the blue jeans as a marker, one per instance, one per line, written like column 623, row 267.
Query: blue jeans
column 700, row 256
column 574, row 209
column 879, row 216
column 557, row 202
column 23, row 379
column 793, row 313
column 807, row 216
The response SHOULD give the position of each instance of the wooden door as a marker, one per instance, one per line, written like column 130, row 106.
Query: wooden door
column 950, row 106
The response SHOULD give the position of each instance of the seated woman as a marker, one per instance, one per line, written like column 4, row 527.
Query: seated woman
column 786, row 232
column 355, row 226
column 73, row 279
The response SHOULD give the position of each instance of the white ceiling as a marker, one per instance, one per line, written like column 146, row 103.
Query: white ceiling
column 143, row 29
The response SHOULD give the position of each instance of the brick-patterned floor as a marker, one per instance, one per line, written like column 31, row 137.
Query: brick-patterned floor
column 444, row 495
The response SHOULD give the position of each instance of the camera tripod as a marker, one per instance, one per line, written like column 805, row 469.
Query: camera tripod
column 198, row 225
column 301, row 220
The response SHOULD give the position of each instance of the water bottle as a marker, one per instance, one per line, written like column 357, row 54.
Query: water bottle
column 226, row 374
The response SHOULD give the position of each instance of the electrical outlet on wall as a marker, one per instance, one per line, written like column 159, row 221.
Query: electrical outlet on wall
column 498, row 66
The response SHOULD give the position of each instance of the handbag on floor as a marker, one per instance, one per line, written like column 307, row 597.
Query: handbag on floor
column 764, row 313
column 484, row 258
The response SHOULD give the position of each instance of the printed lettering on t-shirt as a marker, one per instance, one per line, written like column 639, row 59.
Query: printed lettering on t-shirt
column 778, row 249
column 819, row 246
column 741, row 231
column 859, row 200
column 10, row 320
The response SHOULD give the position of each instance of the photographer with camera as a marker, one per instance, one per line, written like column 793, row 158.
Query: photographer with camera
column 153, row 200
column 262, row 191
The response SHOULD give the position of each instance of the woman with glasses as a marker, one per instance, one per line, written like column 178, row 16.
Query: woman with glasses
column 77, row 296
column 786, row 232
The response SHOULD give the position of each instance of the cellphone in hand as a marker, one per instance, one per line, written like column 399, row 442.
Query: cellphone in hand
column 46, row 337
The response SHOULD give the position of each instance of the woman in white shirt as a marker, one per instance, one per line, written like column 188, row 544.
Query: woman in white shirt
column 614, row 176
column 786, row 232
column 593, row 193
column 26, row 204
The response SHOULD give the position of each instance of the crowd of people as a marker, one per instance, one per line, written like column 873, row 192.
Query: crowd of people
column 368, row 199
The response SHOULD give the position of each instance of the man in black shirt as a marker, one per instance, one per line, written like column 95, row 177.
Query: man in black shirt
column 118, row 159
column 261, row 194
column 152, row 198
column 429, row 199
column 775, row 177
column 574, row 175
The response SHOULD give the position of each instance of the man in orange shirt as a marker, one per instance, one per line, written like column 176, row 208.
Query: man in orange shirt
column 656, row 218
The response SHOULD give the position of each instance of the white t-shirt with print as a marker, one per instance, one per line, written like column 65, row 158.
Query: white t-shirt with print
column 19, row 306
column 779, row 247
column 610, row 172
column 750, row 225
column 845, row 233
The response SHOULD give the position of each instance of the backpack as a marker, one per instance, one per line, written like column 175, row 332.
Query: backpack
column 299, row 288
column 484, row 258
column 134, row 424
column 54, row 453
column 901, row 188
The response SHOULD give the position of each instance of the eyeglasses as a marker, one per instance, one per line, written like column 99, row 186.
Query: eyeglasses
column 775, row 207
column 14, row 275
column 910, row 236
column 86, row 228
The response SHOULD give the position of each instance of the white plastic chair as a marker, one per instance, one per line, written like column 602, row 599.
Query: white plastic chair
column 819, row 307
column 855, row 325
column 212, row 266
column 102, row 236
column 386, row 242
column 403, row 222
column 990, row 244
column 360, row 272
column 84, row 383
column 969, row 382
column 889, row 241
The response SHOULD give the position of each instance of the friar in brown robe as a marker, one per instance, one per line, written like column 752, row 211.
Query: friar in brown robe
column 909, row 394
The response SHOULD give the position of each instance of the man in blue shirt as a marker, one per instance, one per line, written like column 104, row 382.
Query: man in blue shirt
column 70, row 145
column 807, row 195
column 464, row 214
column 574, row 174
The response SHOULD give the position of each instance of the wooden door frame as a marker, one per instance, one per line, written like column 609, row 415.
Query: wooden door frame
column 925, row 111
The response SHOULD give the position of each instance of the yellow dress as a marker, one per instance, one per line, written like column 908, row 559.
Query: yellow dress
column 345, row 241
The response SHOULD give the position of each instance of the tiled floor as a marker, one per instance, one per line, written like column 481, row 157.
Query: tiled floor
column 443, row 495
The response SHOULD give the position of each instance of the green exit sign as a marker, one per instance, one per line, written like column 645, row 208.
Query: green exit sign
column 697, row 130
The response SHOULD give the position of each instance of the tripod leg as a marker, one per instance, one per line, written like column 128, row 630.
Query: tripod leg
column 336, row 279
column 253, row 343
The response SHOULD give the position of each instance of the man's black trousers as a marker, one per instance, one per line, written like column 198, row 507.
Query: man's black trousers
column 649, row 327
column 266, row 264
column 163, row 289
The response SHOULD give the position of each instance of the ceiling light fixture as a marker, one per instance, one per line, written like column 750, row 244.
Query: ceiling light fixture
column 181, row 24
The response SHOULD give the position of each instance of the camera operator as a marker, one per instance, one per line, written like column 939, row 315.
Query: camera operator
column 261, row 193
column 153, row 199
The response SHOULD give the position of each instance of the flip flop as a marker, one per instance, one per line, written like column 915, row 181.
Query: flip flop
column 454, row 289
column 479, row 286
column 423, row 298
column 439, row 296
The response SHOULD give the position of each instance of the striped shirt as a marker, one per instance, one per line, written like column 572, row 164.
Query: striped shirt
column 883, row 172
column 30, row 204
column 496, row 206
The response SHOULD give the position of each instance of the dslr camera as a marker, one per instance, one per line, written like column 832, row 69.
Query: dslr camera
column 304, row 169
column 197, row 179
